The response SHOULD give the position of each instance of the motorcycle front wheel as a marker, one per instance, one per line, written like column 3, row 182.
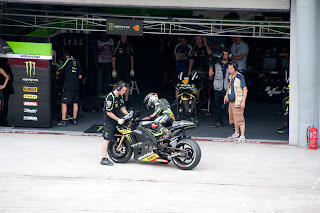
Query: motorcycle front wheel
column 119, row 154
column 190, row 154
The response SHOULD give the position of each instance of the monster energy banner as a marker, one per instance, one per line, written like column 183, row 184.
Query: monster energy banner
column 125, row 27
column 30, row 105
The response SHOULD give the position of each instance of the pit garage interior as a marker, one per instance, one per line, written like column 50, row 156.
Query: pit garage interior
column 75, row 28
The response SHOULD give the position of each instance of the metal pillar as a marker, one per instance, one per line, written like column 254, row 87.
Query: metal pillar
column 307, row 51
column 293, row 107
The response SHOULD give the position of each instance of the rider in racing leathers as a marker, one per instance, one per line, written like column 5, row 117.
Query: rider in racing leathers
column 162, row 116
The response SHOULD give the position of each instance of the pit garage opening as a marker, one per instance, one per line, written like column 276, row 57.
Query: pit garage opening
column 266, row 33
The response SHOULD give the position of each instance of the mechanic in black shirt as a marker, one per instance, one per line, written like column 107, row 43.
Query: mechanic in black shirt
column 71, row 71
column 122, row 63
column 198, row 58
column 114, row 108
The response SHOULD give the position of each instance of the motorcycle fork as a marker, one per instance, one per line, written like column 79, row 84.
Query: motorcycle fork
column 121, row 140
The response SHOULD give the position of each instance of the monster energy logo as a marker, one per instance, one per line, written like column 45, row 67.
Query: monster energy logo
column 129, row 138
column 31, row 68
column 111, row 26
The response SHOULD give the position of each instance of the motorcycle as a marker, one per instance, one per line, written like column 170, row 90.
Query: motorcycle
column 148, row 144
column 191, row 93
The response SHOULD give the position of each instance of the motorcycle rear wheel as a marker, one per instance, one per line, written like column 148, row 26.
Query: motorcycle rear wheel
column 121, row 154
column 192, row 154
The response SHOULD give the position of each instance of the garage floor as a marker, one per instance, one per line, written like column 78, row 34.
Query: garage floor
column 262, row 119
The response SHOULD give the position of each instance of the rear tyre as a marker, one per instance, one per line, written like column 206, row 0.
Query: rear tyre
column 191, row 154
column 119, row 154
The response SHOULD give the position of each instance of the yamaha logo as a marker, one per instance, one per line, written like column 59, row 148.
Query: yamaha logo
column 30, row 118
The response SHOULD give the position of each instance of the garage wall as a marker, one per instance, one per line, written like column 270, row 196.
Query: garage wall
column 176, row 4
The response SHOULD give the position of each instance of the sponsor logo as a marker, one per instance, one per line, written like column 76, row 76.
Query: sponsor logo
column 30, row 68
column 29, row 103
column 30, row 80
column 31, row 56
column 128, row 138
column 31, row 72
column 109, row 103
column 32, row 111
column 112, row 27
column 30, row 96
column 151, row 157
column 272, row 91
column 30, row 89
column 136, row 27
column 136, row 145
column 145, row 155
column 160, row 160
column 30, row 118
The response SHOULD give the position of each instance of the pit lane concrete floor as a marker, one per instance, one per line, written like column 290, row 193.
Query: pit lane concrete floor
column 62, row 174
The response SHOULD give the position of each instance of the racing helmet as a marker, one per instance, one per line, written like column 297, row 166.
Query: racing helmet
column 150, row 99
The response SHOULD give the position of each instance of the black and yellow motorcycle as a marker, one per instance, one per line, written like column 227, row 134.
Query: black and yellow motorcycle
column 149, row 145
column 191, row 94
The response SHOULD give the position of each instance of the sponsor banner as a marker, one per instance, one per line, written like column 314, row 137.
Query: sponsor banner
column 30, row 89
column 29, row 103
column 125, row 27
column 30, row 96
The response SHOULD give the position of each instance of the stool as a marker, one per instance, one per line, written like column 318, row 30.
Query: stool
column 134, row 86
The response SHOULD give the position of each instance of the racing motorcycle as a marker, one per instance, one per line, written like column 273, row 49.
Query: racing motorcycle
column 132, row 137
column 191, row 94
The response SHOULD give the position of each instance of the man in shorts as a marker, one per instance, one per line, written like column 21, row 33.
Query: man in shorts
column 236, row 96
column 71, row 71
column 114, row 108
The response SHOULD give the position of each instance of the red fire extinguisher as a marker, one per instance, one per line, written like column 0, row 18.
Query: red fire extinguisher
column 312, row 137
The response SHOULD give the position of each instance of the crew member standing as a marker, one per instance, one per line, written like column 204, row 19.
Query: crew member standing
column 122, row 64
column 198, row 58
column 103, row 63
column 71, row 71
column 114, row 109
column 2, row 86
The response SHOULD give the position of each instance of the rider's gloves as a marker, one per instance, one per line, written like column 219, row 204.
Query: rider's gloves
column 120, row 121
column 114, row 73
column 132, row 73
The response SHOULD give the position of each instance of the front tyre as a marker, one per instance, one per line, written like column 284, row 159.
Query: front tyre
column 190, row 154
column 119, row 154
